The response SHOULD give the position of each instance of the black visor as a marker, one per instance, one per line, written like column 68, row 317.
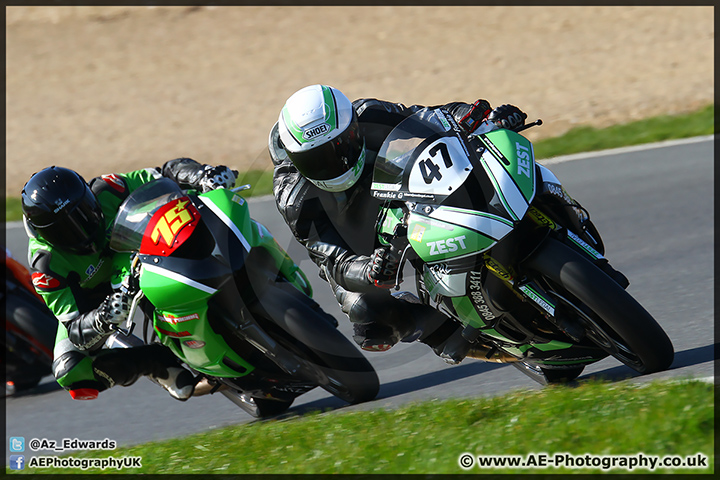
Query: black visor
column 331, row 159
column 76, row 229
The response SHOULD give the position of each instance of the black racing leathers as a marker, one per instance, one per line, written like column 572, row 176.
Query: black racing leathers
column 338, row 229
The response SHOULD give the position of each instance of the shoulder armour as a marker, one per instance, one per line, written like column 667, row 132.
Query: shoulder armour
column 112, row 183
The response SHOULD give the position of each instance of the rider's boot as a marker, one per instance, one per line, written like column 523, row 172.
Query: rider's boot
column 377, row 337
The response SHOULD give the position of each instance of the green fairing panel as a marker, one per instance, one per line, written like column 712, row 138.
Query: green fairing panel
column 262, row 238
column 188, row 334
column 521, row 157
column 449, row 232
column 508, row 161
column 465, row 310
column 393, row 217
column 235, row 209
column 165, row 290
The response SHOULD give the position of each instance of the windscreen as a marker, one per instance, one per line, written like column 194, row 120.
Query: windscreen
column 424, row 158
column 136, row 211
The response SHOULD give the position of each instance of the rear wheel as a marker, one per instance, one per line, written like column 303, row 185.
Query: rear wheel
column 299, row 325
column 610, row 316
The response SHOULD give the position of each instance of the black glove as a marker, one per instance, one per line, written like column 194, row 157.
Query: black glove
column 217, row 177
column 478, row 112
column 112, row 312
column 384, row 264
column 507, row 116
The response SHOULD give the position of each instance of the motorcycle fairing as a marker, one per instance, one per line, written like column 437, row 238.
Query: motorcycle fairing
column 513, row 175
column 441, row 233
column 424, row 158
column 169, row 227
column 180, row 284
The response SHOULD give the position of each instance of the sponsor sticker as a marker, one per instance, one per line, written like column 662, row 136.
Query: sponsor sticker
column 44, row 281
column 169, row 227
column 172, row 334
column 175, row 320
column 115, row 182
column 316, row 131
column 417, row 233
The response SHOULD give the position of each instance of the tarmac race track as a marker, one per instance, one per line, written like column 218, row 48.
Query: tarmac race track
column 654, row 209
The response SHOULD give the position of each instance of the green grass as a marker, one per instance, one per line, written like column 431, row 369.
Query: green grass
column 581, row 139
column 598, row 418
column 656, row 129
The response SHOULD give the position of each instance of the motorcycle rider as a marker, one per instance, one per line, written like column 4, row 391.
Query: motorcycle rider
column 67, row 221
column 323, row 147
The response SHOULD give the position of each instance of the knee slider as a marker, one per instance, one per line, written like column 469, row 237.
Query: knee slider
column 65, row 363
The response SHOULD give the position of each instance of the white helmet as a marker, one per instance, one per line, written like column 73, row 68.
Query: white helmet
column 320, row 133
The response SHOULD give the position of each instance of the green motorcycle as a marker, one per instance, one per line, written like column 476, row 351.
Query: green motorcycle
column 220, row 292
column 499, row 245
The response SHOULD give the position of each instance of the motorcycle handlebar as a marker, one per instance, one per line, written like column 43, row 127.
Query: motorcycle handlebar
column 537, row 122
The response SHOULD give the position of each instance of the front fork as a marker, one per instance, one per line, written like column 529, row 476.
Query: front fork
column 531, row 291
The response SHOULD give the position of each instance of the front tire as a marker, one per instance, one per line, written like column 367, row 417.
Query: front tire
column 298, row 324
column 613, row 319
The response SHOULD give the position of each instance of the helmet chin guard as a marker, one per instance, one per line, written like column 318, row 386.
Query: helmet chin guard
column 344, row 181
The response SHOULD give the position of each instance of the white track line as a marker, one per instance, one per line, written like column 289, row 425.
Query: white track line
column 621, row 150
column 547, row 161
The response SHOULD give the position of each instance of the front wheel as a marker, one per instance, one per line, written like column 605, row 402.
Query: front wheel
column 299, row 325
column 611, row 317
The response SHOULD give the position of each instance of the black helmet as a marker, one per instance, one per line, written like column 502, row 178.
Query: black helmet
column 59, row 205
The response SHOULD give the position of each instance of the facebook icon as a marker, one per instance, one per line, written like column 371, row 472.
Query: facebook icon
column 17, row 462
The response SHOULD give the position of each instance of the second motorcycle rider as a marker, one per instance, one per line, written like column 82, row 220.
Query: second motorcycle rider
column 75, row 272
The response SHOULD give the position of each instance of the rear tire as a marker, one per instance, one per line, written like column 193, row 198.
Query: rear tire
column 616, row 321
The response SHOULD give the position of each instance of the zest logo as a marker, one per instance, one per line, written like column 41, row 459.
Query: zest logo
column 170, row 226
column 447, row 246
column 523, row 157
